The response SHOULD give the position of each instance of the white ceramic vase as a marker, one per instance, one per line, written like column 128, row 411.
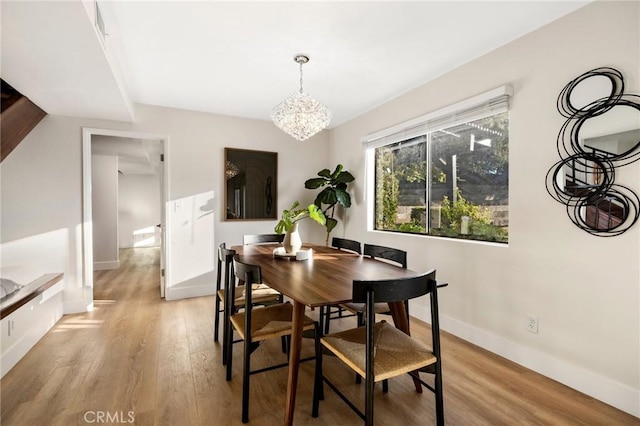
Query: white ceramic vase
column 292, row 241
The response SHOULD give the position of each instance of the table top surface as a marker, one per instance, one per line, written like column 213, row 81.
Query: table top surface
column 325, row 279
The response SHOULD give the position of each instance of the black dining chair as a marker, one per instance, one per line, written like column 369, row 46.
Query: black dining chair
column 249, row 239
column 346, row 244
column 337, row 311
column 388, row 254
column 379, row 351
column 219, row 301
column 261, row 295
column 262, row 238
column 256, row 325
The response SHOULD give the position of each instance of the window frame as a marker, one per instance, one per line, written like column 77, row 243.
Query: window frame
column 484, row 105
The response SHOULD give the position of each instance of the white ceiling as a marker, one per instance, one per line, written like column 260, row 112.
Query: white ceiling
column 236, row 58
column 51, row 54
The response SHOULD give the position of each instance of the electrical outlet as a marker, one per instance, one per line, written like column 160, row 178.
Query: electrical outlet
column 532, row 323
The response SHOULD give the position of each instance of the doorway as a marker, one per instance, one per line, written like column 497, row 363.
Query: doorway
column 134, row 151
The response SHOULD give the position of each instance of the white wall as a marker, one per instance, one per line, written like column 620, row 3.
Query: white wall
column 138, row 210
column 104, row 187
column 193, row 254
column 585, row 289
column 42, row 190
column 41, row 204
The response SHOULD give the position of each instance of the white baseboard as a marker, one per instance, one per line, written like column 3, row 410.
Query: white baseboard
column 103, row 266
column 179, row 292
column 609, row 391
column 77, row 300
column 75, row 307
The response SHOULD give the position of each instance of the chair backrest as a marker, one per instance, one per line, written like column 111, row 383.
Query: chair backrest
column 395, row 290
column 224, row 254
column 262, row 238
column 246, row 274
column 345, row 244
column 225, row 257
column 387, row 253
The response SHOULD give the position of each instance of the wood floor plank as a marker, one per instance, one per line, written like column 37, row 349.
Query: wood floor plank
column 175, row 392
column 199, row 325
column 136, row 352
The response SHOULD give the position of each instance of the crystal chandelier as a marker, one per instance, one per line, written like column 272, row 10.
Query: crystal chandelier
column 300, row 115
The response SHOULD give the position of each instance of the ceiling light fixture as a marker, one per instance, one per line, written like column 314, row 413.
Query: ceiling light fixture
column 300, row 115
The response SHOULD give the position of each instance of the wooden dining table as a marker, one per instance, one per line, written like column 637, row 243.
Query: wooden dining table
column 324, row 279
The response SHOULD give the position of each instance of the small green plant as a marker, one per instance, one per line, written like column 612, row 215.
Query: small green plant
column 480, row 223
column 488, row 232
column 452, row 212
column 291, row 216
column 411, row 227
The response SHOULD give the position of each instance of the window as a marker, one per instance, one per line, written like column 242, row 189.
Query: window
column 446, row 176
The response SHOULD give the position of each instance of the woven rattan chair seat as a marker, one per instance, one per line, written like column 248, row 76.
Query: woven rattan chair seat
column 261, row 293
column 379, row 308
column 395, row 353
column 269, row 322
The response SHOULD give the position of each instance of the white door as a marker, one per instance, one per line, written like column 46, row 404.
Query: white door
column 87, row 134
column 163, row 221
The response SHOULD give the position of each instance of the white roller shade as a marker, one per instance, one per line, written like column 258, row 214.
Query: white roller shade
column 483, row 105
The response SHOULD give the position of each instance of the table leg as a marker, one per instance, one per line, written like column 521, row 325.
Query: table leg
column 401, row 321
column 294, row 361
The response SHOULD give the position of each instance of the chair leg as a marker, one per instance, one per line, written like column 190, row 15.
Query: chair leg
column 370, row 385
column 225, row 341
column 286, row 345
column 321, row 318
column 438, row 391
column 227, row 337
column 327, row 319
column 245, row 381
column 217, row 319
column 360, row 322
column 318, row 388
column 228, row 344
column 385, row 386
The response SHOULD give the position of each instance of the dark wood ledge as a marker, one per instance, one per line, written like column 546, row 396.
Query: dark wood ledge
column 27, row 293
column 18, row 116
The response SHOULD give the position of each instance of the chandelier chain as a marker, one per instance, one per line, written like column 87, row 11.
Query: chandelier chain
column 300, row 77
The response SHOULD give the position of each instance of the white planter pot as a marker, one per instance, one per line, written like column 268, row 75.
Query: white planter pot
column 292, row 241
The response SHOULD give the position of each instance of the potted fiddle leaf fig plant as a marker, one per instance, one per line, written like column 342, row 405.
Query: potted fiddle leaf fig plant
column 334, row 192
column 289, row 224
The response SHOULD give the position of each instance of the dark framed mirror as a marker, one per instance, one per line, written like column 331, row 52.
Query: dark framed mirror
column 600, row 136
column 251, row 184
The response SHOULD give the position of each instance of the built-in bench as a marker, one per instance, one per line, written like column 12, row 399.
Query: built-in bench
column 26, row 315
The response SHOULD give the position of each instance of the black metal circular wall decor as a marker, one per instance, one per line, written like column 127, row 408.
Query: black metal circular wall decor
column 583, row 179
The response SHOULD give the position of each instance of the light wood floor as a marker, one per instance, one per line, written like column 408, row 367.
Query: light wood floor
column 157, row 359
